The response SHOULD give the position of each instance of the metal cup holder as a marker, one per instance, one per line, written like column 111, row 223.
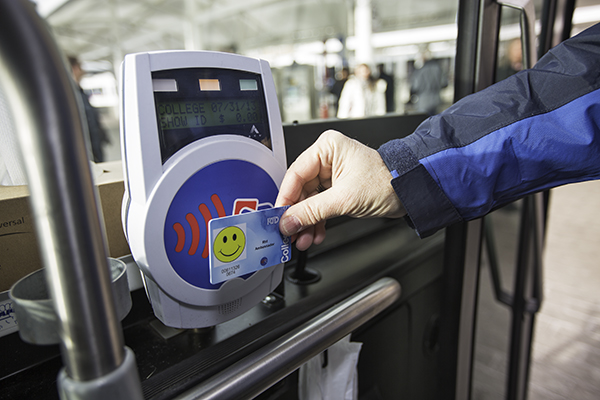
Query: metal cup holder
column 37, row 319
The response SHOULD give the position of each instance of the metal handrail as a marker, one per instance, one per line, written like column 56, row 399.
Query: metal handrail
column 64, row 203
column 527, row 10
column 260, row 370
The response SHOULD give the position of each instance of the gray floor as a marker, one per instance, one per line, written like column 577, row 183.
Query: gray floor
column 566, row 349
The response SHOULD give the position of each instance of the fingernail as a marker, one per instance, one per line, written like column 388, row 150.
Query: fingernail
column 290, row 225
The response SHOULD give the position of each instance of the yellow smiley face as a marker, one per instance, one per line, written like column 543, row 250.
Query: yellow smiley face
column 229, row 244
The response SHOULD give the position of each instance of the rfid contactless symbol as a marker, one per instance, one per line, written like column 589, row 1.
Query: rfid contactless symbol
column 229, row 244
column 195, row 227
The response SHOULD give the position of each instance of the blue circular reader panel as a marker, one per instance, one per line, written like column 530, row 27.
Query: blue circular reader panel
column 221, row 189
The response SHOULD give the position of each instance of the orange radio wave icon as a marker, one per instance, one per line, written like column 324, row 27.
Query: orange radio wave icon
column 195, row 227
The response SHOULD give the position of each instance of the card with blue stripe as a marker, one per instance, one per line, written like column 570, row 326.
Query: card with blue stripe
column 245, row 243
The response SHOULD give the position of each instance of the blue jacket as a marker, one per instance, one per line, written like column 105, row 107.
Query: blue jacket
column 535, row 130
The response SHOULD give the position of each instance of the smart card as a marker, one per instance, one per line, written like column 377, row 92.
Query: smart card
column 245, row 243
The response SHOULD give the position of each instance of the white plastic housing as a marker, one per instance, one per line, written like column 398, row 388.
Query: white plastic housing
column 150, row 187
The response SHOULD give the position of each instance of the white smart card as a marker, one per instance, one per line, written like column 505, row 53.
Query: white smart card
column 245, row 243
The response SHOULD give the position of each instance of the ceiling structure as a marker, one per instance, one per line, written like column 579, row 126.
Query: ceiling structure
column 106, row 30
column 284, row 32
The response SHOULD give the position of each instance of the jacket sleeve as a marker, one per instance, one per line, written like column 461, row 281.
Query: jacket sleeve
column 535, row 130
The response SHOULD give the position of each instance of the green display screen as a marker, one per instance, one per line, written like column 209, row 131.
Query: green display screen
column 208, row 113
column 195, row 103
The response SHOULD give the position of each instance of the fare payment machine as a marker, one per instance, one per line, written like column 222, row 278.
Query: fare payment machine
column 201, row 138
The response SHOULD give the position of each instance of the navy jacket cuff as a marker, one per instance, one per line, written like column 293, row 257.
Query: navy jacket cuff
column 426, row 204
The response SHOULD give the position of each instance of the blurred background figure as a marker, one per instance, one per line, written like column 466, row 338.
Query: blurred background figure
column 512, row 62
column 427, row 83
column 363, row 95
column 336, row 89
column 390, row 99
column 98, row 136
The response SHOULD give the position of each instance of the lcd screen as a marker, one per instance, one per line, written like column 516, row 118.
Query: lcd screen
column 198, row 114
column 208, row 102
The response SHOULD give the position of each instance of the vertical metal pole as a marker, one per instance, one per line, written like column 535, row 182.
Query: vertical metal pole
column 477, row 30
column 522, row 320
column 117, row 51
column 363, row 30
column 191, row 31
column 546, row 41
column 461, row 277
column 63, row 198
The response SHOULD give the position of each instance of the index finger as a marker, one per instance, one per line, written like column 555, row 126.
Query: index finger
column 303, row 177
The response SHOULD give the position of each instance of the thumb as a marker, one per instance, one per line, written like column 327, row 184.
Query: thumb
column 310, row 212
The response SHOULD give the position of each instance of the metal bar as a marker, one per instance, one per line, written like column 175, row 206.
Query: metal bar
column 63, row 198
column 466, row 48
column 527, row 290
column 534, row 304
column 527, row 10
column 267, row 366
column 477, row 29
column 568, row 10
column 547, row 21
column 490, row 245
column 522, row 321
column 461, row 277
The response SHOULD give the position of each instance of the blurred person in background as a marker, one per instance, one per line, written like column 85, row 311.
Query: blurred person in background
column 390, row 97
column 98, row 136
column 363, row 95
column 336, row 89
column 427, row 83
column 512, row 62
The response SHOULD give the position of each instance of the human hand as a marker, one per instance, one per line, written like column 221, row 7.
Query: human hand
column 335, row 176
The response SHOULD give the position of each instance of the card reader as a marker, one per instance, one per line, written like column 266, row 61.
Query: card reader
column 201, row 138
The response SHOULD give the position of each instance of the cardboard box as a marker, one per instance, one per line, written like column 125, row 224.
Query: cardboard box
column 19, row 254
column 111, row 190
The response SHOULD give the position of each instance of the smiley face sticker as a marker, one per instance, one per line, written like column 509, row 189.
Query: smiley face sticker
column 229, row 244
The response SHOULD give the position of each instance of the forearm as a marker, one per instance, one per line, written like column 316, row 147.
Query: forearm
column 533, row 131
